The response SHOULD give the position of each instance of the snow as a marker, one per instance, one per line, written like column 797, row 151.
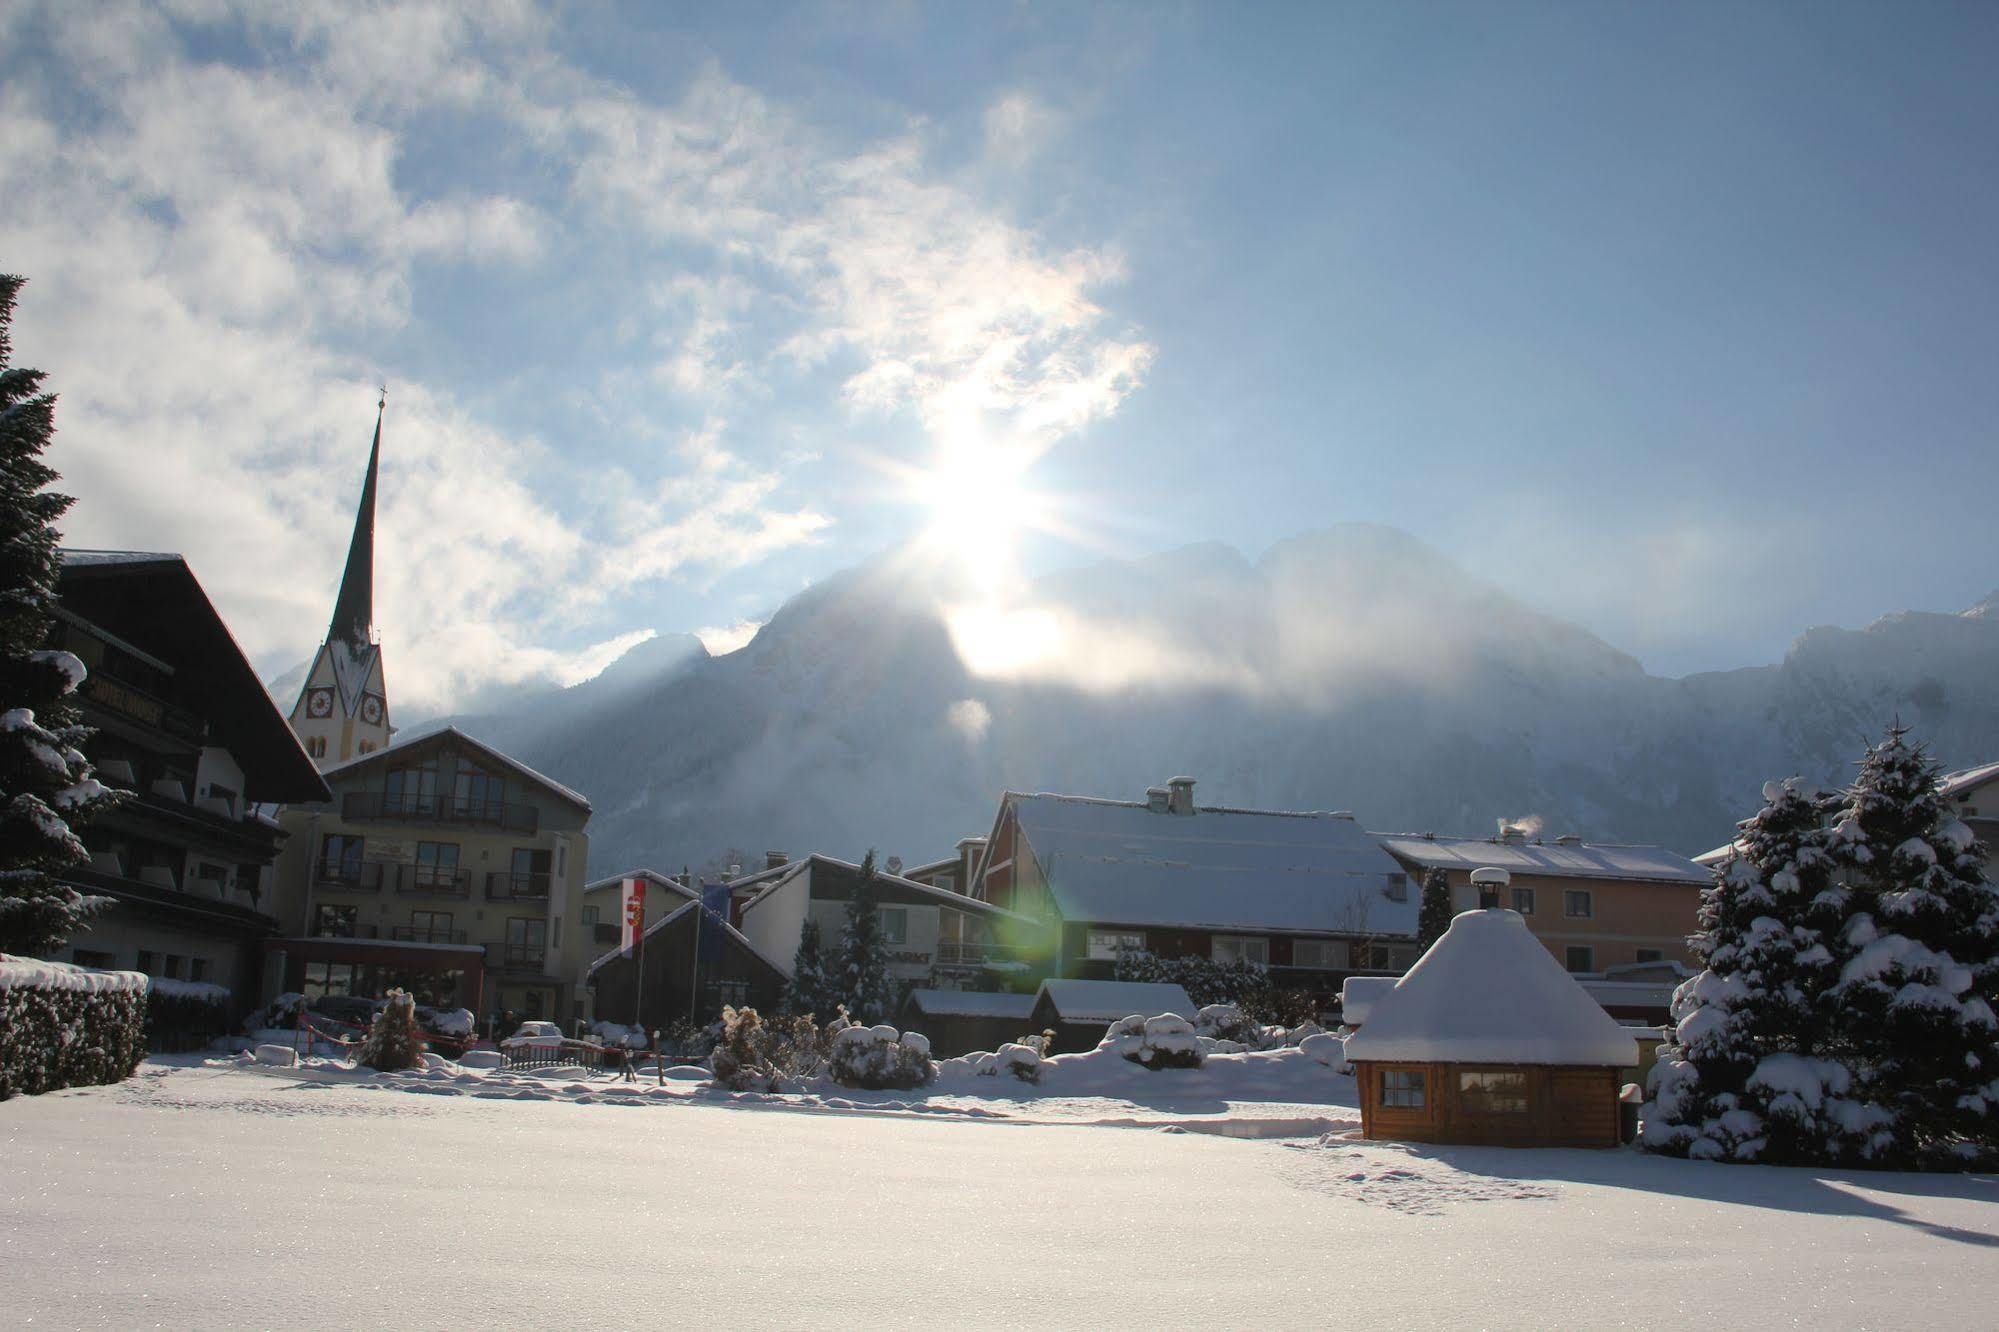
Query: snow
column 278, row 1056
column 1107, row 1001
column 973, row 1003
column 1359, row 994
column 1319, row 1221
column 1489, row 992
column 181, row 989
column 482, row 1059
column 1583, row 860
column 1113, row 860
column 454, row 1022
column 29, row 972
column 68, row 663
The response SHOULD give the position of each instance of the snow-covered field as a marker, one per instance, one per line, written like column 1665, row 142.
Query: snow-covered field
column 217, row 1194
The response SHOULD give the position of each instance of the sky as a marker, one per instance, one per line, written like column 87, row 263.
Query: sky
column 1675, row 321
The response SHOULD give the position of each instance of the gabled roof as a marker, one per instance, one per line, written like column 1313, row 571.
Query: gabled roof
column 653, row 877
column 1562, row 860
column 972, row 1003
column 1966, row 780
column 153, row 601
column 1124, row 863
column 401, row 747
column 1489, row 992
column 768, row 881
column 1109, row 1000
column 713, row 922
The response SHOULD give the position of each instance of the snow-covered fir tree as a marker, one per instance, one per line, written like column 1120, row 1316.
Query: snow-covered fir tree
column 1745, row 1076
column 1433, row 916
column 394, row 1041
column 861, row 971
column 1918, row 949
column 46, row 790
column 809, row 991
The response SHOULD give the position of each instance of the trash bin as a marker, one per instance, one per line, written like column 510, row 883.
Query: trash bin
column 1628, row 1101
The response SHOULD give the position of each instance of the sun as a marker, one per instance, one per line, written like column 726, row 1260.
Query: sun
column 978, row 504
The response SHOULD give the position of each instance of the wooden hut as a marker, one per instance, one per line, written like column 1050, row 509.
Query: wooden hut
column 1488, row 1040
column 1078, row 1011
column 960, row 1021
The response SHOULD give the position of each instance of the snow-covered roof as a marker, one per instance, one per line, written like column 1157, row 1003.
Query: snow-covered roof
column 1121, row 862
column 1107, row 1001
column 1488, row 992
column 971, row 1003
column 470, row 742
column 653, row 877
column 1967, row 780
column 83, row 557
column 769, row 879
column 1358, row 995
column 1566, row 860
column 711, row 923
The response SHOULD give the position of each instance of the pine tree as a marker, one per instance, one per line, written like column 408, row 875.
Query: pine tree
column 394, row 1042
column 809, row 991
column 1434, row 916
column 1917, row 939
column 861, row 972
column 46, row 790
column 1746, row 1077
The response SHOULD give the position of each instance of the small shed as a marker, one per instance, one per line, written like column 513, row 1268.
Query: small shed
column 961, row 1021
column 1077, row 1011
column 1488, row 1040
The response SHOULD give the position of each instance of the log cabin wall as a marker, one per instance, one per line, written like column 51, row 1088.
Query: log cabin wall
column 1563, row 1106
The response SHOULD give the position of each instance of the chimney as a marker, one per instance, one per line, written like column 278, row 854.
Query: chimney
column 1512, row 834
column 1568, row 839
column 1155, row 799
column 1489, row 882
column 969, row 851
column 1180, row 795
column 894, row 865
column 775, row 860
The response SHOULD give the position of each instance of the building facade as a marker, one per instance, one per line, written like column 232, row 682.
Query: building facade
column 441, row 866
column 186, row 730
column 1602, row 909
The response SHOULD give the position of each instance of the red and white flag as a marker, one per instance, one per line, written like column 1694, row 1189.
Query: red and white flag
column 635, row 914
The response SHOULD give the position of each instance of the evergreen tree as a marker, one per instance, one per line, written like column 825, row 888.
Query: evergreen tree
column 46, row 790
column 394, row 1042
column 1745, row 1077
column 1434, row 916
column 861, row 972
column 1917, row 939
column 809, row 991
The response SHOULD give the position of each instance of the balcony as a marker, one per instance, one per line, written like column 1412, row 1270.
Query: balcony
column 419, row 934
column 351, row 876
column 977, row 954
column 377, row 876
column 432, row 881
column 383, row 807
column 502, row 887
column 518, row 957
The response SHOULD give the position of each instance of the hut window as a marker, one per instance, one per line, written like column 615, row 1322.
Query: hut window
column 1489, row 1092
column 1402, row 1089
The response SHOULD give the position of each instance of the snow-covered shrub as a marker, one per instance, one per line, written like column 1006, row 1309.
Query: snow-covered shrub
column 621, row 1036
column 1205, row 980
column 281, row 1014
column 764, row 1054
column 394, row 1042
column 66, row 1026
column 454, row 1022
column 1325, row 1048
column 879, row 1057
column 1165, row 1041
column 1227, row 1022
column 1015, row 1060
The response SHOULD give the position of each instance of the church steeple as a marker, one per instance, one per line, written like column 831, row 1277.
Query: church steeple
column 354, row 608
column 343, row 710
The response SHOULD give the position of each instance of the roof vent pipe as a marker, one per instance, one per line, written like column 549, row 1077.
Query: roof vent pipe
column 1180, row 795
column 775, row 860
column 1155, row 799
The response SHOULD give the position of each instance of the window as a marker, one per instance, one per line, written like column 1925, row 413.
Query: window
column 1105, row 945
column 91, row 957
column 323, row 978
column 1651, row 955
column 225, row 795
column 1390, row 957
column 436, row 864
column 410, row 789
column 589, row 915
column 149, row 962
column 430, row 926
column 197, row 968
column 1576, row 905
column 1490, row 1092
column 1324, row 954
column 895, row 925
column 214, row 876
column 1398, row 887
column 1402, row 1089
column 1580, row 957
column 367, row 748
column 340, row 858
column 530, row 876
column 315, row 747
column 1523, row 901
column 334, row 922
column 480, row 793
column 527, row 941
column 1229, row 948
column 176, row 965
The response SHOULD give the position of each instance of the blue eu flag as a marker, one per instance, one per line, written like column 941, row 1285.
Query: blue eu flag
column 715, row 905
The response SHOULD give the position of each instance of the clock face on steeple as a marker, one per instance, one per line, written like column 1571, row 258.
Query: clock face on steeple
column 371, row 710
column 319, row 703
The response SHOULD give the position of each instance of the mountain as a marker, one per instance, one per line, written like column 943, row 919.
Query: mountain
column 1354, row 668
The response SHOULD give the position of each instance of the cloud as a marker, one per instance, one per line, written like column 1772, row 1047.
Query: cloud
column 969, row 718
column 1017, row 126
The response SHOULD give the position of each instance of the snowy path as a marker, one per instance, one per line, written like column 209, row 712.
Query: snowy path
column 214, row 1197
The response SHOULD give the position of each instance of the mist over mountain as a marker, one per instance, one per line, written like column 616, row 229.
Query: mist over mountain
column 1354, row 668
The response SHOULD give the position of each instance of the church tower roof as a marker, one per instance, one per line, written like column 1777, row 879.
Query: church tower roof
column 354, row 608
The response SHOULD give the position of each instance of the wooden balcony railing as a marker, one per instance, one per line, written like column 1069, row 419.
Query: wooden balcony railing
column 975, row 954
column 382, row 806
column 505, row 887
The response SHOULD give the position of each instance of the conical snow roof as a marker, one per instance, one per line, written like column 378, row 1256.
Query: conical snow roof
column 1488, row 992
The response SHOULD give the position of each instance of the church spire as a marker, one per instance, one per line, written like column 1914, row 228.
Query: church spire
column 354, row 609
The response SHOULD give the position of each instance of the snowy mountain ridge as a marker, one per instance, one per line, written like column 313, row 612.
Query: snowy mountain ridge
column 1354, row 668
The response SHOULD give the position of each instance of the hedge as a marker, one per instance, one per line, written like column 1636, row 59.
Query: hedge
column 66, row 1026
column 184, row 1015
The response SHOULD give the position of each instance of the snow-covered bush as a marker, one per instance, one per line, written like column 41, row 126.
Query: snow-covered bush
column 1205, row 980
column 1325, row 1048
column 879, row 1057
column 620, row 1035
column 281, row 1014
column 534, row 1033
column 394, row 1042
column 454, row 1022
column 1013, row 1059
column 1165, row 1041
column 65, row 1026
column 1227, row 1022
column 756, row 1053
